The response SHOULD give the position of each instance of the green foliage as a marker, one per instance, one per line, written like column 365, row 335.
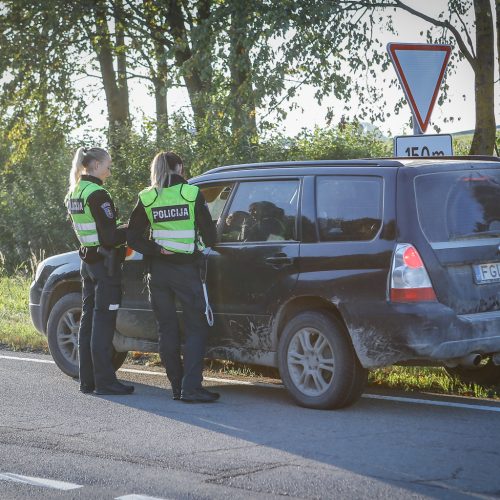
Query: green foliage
column 462, row 144
column 345, row 142
column 16, row 330
column 35, row 168
column 432, row 379
column 33, row 181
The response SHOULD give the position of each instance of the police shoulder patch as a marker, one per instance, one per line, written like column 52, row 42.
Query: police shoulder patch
column 108, row 210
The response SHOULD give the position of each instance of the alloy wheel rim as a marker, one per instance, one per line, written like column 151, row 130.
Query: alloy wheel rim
column 310, row 361
column 67, row 335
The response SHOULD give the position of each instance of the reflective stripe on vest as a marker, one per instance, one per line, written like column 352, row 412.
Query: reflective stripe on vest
column 175, row 246
column 81, row 216
column 89, row 240
column 171, row 215
column 86, row 227
column 167, row 235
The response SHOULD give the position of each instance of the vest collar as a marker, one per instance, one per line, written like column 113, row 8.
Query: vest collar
column 175, row 179
column 91, row 178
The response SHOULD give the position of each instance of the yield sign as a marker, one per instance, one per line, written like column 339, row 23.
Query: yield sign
column 420, row 68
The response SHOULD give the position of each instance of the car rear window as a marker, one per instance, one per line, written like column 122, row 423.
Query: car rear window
column 459, row 205
column 348, row 208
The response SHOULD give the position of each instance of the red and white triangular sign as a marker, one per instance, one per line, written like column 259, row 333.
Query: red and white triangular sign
column 420, row 68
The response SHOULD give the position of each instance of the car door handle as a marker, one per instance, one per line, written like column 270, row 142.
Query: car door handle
column 280, row 259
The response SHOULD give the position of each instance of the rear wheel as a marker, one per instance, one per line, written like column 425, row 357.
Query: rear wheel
column 318, row 364
column 62, row 334
column 485, row 374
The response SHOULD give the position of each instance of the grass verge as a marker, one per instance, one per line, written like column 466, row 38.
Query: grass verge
column 16, row 330
column 17, row 333
column 428, row 379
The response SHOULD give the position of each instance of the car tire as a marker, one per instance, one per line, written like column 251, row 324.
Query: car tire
column 487, row 374
column 318, row 364
column 62, row 334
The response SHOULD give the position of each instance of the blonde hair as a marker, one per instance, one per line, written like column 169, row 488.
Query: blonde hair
column 164, row 164
column 85, row 159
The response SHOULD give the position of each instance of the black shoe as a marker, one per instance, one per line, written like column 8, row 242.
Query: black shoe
column 86, row 388
column 175, row 383
column 199, row 396
column 116, row 388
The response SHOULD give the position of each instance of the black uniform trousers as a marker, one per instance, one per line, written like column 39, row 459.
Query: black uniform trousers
column 167, row 281
column 101, row 300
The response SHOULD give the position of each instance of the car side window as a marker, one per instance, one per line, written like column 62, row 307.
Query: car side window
column 348, row 208
column 216, row 196
column 263, row 211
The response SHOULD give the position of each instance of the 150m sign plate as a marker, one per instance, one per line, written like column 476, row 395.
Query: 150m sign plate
column 423, row 145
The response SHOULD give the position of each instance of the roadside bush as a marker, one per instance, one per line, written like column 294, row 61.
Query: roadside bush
column 32, row 185
column 34, row 174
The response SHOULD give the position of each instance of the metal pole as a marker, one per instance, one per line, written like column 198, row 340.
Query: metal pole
column 416, row 126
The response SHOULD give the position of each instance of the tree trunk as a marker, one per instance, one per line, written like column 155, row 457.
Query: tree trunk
column 242, row 102
column 497, row 9
column 484, row 135
column 158, row 71
column 161, row 87
column 183, row 55
column 121, row 56
column 115, row 83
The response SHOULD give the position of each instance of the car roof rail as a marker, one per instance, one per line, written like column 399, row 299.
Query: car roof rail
column 388, row 161
column 438, row 158
column 362, row 162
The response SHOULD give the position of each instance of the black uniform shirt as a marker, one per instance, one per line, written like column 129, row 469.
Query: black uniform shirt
column 139, row 228
column 104, row 212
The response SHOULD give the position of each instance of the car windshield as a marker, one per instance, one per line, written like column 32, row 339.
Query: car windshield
column 459, row 205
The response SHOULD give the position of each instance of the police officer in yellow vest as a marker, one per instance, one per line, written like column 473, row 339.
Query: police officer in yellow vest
column 94, row 220
column 175, row 215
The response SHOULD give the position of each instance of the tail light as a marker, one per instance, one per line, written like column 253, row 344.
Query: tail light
column 409, row 279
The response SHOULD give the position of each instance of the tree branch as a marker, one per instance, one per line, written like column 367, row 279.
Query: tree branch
column 469, row 39
column 444, row 24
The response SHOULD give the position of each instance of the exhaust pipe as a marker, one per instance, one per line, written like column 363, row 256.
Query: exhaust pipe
column 496, row 358
column 469, row 361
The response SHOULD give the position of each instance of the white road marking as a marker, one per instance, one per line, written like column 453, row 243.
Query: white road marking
column 138, row 497
column 143, row 372
column 33, row 360
column 231, row 428
column 208, row 379
column 39, row 481
column 430, row 402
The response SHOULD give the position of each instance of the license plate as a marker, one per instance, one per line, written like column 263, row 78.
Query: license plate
column 486, row 273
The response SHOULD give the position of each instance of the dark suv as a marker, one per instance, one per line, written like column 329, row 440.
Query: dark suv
column 326, row 269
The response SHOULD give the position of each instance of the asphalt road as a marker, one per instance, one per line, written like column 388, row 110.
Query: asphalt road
column 253, row 443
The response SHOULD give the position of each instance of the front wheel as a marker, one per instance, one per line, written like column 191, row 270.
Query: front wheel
column 318, row 364
column 62, row 334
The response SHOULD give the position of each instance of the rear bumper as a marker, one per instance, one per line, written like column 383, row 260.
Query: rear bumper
column 482, row 335
column 392, row 333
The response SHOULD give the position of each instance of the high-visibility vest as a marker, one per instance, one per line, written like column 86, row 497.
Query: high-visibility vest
column 79, row 211
column 171, row 215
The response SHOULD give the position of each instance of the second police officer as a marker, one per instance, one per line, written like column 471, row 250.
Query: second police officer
column 175, row 215
column 94, row 220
